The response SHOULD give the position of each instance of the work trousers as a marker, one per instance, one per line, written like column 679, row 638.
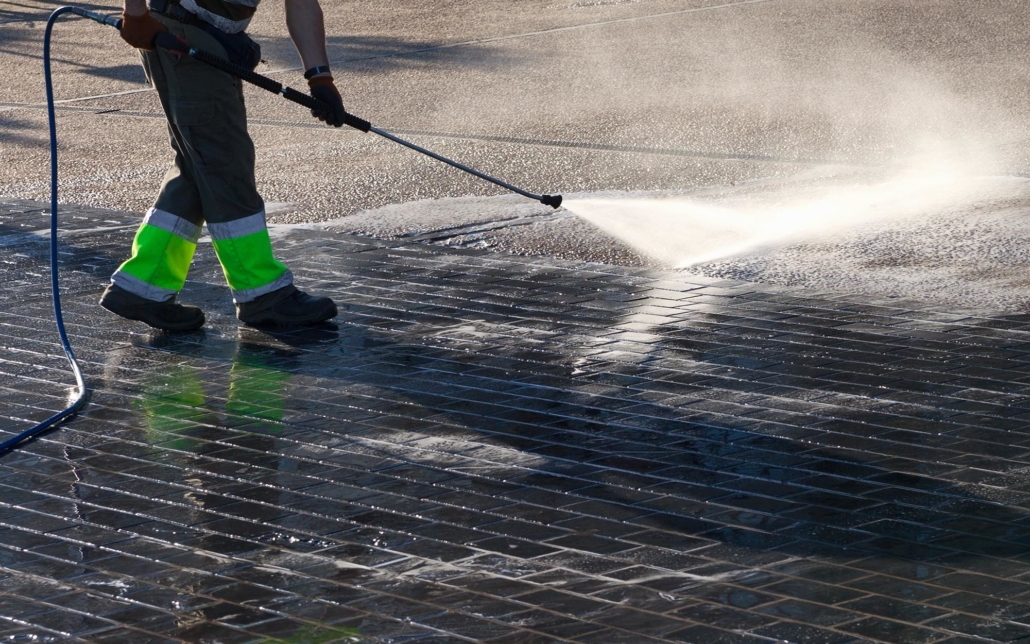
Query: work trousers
column 211, row 181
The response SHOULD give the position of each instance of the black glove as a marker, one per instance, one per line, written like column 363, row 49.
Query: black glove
column 323, row 89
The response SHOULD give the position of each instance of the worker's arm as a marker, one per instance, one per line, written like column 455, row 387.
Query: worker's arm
column 307, row 30
column 138, row 26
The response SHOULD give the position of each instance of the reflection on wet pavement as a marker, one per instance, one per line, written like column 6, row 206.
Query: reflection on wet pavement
column 488, row 448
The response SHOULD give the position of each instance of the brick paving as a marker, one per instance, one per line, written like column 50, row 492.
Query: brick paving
column 499, row 449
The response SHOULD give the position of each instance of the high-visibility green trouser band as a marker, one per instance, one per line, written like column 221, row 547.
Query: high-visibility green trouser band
column 159, row 263
column 250, row 267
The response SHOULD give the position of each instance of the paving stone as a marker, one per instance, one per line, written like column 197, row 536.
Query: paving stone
column 990, row 629
column 802, row 634
column 895, row 609
column 891, row 631
column 698, row 634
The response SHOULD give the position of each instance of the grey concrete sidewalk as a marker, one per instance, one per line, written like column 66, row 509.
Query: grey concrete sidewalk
column 550, row 95
column 488, row 448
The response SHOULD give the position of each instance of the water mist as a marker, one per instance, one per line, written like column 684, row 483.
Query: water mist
column 910, row 146
column 681, row 231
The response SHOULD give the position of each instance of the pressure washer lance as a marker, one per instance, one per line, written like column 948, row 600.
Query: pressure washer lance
column 172, row 43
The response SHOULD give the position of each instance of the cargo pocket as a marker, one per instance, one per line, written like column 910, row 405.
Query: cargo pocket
column 204, row 130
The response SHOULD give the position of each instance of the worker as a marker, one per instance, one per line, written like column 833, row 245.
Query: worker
column 212, row 178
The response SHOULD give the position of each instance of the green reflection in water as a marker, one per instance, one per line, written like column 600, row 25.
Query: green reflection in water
column 173, row 405
column 257, row 387
column 175, row 402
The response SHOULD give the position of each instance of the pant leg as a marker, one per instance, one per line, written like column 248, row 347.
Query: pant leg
column 212, row 179
column 166, row 241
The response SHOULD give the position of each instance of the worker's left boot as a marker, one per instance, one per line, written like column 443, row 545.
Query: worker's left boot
column 168, row 315
column 286, row 306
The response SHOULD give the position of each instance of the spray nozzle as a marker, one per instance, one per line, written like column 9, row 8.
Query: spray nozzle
column 553, row 201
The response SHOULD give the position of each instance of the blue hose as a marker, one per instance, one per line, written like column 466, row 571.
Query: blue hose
column 12, row 443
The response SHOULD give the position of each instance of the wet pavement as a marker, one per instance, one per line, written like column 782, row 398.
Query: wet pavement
column 490, row 448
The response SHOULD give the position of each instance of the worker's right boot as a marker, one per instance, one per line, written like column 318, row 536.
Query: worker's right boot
column 286, row 306
column 168, row 315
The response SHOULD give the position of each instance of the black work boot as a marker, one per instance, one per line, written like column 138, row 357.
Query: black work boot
column 168, row 315
column 284, row 307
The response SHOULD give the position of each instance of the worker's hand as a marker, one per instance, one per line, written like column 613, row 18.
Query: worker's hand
column 139, row 30
column 323, row 89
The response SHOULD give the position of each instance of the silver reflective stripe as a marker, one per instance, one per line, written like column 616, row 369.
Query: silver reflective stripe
column 173, row 223
column 245, row 296
column 238, row 227
column 221, row 22
column 137, row 286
